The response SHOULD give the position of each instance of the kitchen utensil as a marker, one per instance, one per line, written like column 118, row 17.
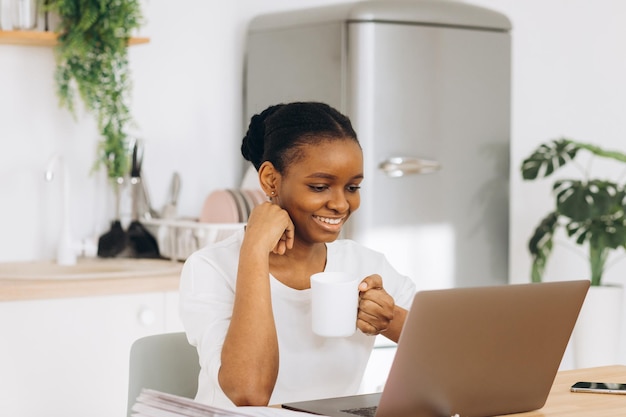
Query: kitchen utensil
column 145, row 209
column 170, row 207
column 113, row 243
column 24, row 14
column 140, row 241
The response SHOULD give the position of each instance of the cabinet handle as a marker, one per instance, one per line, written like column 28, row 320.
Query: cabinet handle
column 399, row 166
column 146, row 316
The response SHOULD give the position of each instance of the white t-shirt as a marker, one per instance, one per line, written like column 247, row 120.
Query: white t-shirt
column 310, row 366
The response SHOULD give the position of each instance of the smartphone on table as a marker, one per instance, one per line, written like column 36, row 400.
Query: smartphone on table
column 599, row 387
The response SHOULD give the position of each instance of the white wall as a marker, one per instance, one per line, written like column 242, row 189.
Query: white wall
column 569, row 78
column 186, row 101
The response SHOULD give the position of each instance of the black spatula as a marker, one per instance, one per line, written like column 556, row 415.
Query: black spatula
column 113, row 242
column 140, row 241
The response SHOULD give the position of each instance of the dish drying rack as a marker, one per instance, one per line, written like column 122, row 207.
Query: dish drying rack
column 179, row 238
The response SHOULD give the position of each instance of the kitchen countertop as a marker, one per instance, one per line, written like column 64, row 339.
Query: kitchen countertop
column 90, row 277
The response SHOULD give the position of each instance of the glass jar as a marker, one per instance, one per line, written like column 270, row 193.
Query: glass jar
column 24, row 14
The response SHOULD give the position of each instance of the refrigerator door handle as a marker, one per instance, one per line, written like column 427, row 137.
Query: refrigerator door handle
column 399, row 166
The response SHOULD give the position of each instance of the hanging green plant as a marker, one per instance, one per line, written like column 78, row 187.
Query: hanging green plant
column 92, row 61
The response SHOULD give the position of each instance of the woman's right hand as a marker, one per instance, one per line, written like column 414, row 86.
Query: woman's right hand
column 270, row 226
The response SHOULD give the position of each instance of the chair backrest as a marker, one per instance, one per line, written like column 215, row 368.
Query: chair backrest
column 164, row 362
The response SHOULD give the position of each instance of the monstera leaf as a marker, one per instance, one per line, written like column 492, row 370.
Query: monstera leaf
column 547, row 158
column 540, row 245
column 588, row 201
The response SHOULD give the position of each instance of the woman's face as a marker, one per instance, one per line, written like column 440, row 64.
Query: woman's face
column 321, row 189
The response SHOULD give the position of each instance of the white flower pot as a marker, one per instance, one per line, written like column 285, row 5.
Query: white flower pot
column 596, row 336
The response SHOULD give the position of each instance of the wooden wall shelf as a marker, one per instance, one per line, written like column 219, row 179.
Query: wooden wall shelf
column 38, row 38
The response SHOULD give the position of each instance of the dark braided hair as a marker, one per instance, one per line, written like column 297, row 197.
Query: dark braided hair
column 278, row 133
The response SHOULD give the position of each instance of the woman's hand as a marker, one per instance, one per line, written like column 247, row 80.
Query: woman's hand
column 378, row 313
column 271, row 226
column 375, row 306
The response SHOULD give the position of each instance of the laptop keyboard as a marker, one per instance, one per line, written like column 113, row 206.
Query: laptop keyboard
column 364, row 412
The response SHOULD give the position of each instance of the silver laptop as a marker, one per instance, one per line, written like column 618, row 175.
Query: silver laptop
column 475, row 352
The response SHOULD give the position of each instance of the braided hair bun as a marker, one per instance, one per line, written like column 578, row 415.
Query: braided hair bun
column 278, row 133
column 253, row 143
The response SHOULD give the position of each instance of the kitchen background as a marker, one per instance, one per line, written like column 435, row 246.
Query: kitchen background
column 569, row 78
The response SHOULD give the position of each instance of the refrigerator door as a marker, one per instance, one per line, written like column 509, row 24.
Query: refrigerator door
column 431, row 106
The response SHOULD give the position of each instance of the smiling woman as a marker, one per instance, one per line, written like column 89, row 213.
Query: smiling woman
column 246, row 301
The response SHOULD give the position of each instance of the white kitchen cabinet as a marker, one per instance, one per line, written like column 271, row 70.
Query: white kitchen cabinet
column 69, row 357
column 172, row 316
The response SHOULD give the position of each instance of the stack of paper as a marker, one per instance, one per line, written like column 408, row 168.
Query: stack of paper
column 151, row 403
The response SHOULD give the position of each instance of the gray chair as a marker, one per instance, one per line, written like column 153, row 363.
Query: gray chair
column 163, row 362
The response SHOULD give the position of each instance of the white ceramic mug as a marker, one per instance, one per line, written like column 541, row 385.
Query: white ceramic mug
column 334, row 303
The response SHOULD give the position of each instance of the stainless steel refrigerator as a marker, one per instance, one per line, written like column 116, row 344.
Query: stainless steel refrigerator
column 427, row 87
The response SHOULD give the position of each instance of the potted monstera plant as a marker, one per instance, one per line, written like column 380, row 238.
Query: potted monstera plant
column 591, row 212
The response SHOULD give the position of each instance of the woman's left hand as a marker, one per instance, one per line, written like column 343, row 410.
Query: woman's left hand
column 376, row 307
